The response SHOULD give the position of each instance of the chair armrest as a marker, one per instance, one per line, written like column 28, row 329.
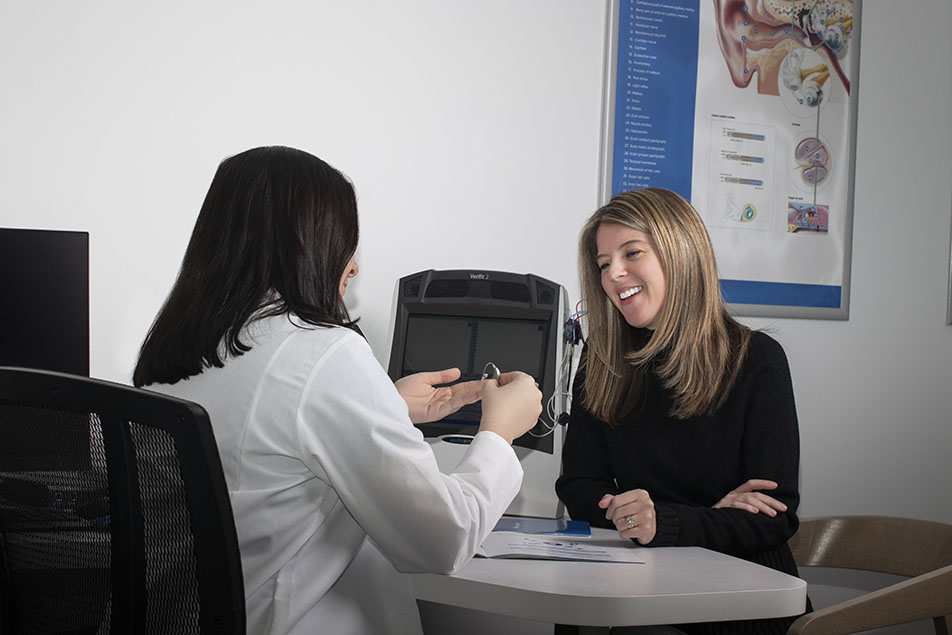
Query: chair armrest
column 923, row 597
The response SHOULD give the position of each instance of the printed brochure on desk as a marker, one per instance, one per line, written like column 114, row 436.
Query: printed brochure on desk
column 509, row 544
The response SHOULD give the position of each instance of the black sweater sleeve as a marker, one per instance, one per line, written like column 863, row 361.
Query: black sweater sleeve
column 587, row 473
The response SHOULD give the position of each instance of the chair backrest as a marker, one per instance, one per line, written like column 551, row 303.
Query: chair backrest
column 114, row 513
column 884, row 544
column 920, row 550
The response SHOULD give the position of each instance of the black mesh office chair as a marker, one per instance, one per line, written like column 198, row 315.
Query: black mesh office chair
column 114, row 514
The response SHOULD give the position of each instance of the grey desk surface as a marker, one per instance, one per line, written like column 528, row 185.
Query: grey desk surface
column 674, row 585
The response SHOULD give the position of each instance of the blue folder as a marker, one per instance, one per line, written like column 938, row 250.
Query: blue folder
column 555, row 527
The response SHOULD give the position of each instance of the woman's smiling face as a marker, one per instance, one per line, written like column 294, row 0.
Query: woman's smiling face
column 631, row 273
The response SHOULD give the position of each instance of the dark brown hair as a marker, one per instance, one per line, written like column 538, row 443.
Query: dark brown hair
column 276, row 230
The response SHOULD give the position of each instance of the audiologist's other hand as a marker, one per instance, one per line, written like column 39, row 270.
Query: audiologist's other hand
column 748, row 498
column 426, row 402
column 632, row 513
column 512, row 406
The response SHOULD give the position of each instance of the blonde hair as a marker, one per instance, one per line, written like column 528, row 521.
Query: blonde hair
column 699, row 348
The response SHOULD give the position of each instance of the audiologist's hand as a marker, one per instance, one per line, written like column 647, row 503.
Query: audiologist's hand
column 512, row 406
column 427, row 403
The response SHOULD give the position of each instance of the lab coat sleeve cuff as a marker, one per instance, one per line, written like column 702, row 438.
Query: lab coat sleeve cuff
column 493, row 457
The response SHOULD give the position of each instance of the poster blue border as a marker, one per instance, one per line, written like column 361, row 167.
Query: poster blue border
column 654, row 136
column 781, row 294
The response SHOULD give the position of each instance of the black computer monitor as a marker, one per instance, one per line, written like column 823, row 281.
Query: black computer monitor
column 44, row 300
column 44, row 324
column 466, row 318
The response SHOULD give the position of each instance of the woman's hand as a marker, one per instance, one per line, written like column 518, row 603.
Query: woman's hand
column 747, row 497
column 632, row 513
column 427, row 403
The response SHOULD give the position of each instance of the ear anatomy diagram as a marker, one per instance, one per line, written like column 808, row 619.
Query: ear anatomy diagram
column 806, row 83
column 763, row 37
column 740, row 214
column 804, row 217
column 813, row 161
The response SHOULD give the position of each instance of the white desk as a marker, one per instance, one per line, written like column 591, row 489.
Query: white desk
column 675, row 585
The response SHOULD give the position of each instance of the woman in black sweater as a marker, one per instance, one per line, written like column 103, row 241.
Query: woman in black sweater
column 682, row 418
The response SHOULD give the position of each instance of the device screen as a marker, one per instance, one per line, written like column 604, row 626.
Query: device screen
column 436, row 342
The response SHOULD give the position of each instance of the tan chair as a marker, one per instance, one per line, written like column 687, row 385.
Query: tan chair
column 918, row 549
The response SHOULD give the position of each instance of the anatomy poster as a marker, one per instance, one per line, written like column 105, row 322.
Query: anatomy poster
column 747, row 109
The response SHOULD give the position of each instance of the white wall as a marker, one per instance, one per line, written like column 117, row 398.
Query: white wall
column 471, row 132
column 466, row 131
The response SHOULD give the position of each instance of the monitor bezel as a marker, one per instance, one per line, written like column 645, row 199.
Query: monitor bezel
column 482, row 308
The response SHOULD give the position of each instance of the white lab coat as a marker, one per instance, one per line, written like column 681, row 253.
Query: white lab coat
column 326, row 472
